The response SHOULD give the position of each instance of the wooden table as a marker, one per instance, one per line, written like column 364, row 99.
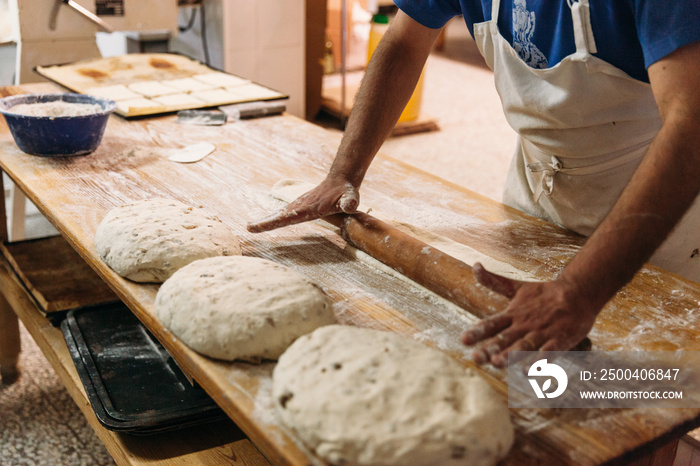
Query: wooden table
column 657, row 311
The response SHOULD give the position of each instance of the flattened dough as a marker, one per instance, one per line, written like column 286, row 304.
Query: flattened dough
column 116, row 92
column 149, row 240
column 152, row 88
column 359, row 397
column 137, row 104
column 254, row 91
column 178, row 100
column 242, row 308
column 188, row 85
column 221, row 79
column 216, row 96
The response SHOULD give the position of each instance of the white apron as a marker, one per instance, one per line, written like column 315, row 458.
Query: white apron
column 584, row 127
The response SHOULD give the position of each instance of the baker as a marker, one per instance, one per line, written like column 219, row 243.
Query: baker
column 605, row 98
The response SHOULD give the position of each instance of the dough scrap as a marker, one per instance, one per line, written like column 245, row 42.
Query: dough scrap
column 241, row 308
column 359, row 397
column 149, row 240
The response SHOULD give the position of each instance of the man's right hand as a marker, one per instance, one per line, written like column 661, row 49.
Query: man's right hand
column 332, row 196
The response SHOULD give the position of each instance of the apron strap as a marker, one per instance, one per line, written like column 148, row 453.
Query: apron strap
column 583, row 33
column 495, row 6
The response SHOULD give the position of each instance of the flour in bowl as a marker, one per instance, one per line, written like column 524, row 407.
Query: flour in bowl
column 56, row 108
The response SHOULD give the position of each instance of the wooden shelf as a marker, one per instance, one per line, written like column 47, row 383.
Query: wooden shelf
column 57, row 278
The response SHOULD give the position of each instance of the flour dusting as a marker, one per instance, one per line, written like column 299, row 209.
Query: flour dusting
column 56, row 108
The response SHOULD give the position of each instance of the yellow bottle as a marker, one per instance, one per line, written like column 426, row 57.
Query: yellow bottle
column 380, row 23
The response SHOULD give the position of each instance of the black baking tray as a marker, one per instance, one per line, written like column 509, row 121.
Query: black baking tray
column 132, row 382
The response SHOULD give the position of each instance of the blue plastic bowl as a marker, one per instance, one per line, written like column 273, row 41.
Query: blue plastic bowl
column 61, row 136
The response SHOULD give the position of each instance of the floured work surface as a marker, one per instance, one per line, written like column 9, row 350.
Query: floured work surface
column 657, row 311
column 154, row 83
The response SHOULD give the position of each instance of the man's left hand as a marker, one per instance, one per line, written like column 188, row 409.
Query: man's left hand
column 549, row 316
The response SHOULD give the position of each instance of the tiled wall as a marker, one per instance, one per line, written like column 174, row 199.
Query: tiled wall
column 264, row 41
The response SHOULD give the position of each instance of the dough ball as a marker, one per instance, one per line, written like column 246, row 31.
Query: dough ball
column 149, row 240
column 240, row 307
column 360, row 397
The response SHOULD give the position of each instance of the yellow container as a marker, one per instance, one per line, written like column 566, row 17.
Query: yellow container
column 380, row 23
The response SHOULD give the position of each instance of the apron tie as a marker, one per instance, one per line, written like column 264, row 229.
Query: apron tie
column 548, row 170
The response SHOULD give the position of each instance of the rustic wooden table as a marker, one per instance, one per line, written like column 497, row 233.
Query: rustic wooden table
column 656, row 311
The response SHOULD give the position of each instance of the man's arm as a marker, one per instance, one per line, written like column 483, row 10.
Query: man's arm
column 557, row 315
column 388, row 83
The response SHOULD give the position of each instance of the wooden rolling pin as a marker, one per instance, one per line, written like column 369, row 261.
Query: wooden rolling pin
column 429, row 267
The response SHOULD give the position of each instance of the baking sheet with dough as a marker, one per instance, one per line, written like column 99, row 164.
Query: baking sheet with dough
column 152, row 76
column 288, row 190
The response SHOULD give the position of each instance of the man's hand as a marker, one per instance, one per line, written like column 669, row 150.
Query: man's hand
column 549, row 316
column 332, row 196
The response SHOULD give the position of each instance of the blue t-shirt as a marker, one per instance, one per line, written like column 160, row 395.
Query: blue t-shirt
column 629, row 34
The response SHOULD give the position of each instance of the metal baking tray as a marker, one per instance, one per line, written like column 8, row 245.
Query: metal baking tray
column 132, row 382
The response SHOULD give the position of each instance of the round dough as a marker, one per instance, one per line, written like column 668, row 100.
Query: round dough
column 360, row 396
column 149, row 240
column 242, row 308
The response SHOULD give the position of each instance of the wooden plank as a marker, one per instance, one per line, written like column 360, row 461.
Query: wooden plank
column 55, row 274
column 656, row 311
column 214, row 444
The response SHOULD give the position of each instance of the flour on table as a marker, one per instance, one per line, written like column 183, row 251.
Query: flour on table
column 149, row 240
column 288, row 190
column 241, row 308
column 361, row 396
